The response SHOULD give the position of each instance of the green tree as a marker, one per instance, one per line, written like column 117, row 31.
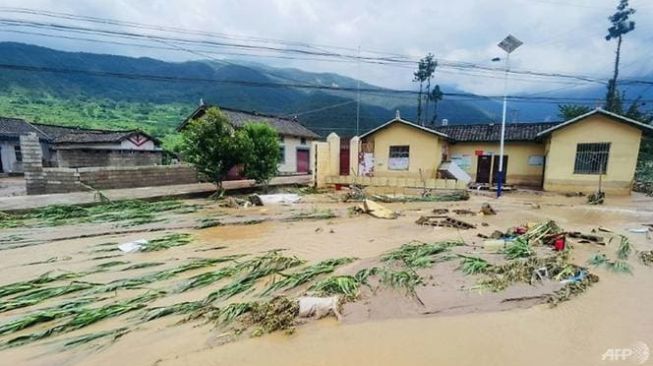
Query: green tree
column 436, row 96
column 571, row 111
column 621, row 24
column 213, row 146
column 425, row 69
column 262, row 158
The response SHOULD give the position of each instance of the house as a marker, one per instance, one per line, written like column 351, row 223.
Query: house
column 73, row 147
column 569, row 156
column 294, row 139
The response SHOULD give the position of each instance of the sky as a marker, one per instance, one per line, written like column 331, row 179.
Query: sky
column 560, row 36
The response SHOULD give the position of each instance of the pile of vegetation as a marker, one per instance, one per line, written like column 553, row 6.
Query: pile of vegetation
column 128, row 213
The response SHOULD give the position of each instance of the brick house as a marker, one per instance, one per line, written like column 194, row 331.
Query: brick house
column 72, row 147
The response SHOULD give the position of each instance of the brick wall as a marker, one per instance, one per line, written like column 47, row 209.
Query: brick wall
column 76, row 158
column 33, row 164
column 144, row 176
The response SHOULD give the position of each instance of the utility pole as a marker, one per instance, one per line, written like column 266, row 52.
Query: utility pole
column 358, row 91
column 509, row 44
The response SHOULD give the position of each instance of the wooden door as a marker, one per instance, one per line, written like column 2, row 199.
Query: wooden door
column 495, row 169
column 344, row 157
column 483, row 169
column 303, row 160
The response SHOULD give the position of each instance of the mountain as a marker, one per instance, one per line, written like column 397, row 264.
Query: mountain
column 102, row 99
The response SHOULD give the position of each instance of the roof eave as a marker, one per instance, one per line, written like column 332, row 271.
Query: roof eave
column 642, row 126
column 408, row 123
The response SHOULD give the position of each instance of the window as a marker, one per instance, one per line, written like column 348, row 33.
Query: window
column 282, row 154
column 19, row 153
column 592, row 158
column 302, row 141
column 399, row 157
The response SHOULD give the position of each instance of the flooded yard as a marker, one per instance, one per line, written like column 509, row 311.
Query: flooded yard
column 69, row 296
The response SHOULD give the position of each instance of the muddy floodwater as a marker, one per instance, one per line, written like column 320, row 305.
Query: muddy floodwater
column 453, row 323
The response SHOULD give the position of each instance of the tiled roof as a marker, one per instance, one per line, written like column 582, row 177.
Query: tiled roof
column 492, row 132
column 14, row 127
column 239, row 118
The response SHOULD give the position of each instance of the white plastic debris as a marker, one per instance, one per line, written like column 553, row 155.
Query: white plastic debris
column 318, row 307
column 279, row 198
column 132, row 246
column 642, row 230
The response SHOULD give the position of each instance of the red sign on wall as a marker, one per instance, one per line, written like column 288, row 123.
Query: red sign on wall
column 478, row 152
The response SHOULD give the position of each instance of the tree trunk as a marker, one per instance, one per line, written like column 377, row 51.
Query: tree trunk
column 426, row 102
column 419, row 103
column 612, row 84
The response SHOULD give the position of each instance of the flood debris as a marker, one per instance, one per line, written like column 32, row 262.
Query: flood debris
column 487, row 210
column 440, row 211
column 646, row 257
column 596, row 198
column 444, row 221
column 586, row 238
column 234, row 202
column 376, row 210
column 464, row 212
column 459, row 195
column 572, row 289
column 314, row 214
column 279, row 198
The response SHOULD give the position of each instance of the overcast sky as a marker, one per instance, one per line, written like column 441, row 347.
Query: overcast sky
column 564, row 36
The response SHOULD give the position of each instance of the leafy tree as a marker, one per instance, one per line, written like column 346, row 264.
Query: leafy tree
column 213, row 146
column 262, row 157
column 425, row 69
column 571, row 111
column 436, row 96
column 621, row 24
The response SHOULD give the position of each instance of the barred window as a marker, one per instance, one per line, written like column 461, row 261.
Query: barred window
column 399, row 157
column 592, row 158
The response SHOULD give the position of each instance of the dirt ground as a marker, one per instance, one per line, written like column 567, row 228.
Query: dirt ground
column 435, row 325
column 12, row 186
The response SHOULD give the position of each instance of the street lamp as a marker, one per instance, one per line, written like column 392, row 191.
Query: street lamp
column 509, row 44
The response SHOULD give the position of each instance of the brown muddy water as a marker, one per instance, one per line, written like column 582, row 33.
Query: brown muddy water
column 456, row 326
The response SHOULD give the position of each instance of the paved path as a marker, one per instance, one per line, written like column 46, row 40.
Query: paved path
column 30, row 202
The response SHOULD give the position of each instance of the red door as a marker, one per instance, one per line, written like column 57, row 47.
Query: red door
column 344, row 157
column 303, row 158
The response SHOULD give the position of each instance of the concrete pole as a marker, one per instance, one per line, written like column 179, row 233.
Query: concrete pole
column 500, row 178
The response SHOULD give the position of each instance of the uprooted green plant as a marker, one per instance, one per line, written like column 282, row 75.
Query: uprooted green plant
column 113, row 335
column 46, row 315
column 17, row 287
column 418, row 254
column 167, row 241
column 347, row 286
column 646, row 257
column 42, row 294
column 625, row 248
column 87, row 316
column 254, row 269
column 274, row 315
column 306, row 274
column 473, row 265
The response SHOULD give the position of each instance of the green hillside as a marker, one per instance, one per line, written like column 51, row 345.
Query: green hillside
column 104, row 101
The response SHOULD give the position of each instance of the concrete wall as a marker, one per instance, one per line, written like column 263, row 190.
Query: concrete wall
column 519, row 170
column 425, row 151
column 292, row 144
column 75, row 158
column 561, row 152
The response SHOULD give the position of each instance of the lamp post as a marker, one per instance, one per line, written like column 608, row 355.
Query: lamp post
column 509, row 44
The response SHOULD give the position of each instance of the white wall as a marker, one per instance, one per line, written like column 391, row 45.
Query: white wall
column 292, row 144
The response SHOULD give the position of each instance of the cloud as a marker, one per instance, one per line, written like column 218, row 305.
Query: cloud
column 559, row 36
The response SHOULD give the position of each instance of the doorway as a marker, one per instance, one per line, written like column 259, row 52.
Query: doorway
column 344, row 156
column 303, row 160
column 483, row 169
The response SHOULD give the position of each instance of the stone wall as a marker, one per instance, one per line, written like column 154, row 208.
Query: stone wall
column 77, row 158
column 33, row 164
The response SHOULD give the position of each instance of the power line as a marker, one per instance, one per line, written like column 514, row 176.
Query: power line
column 167, row 78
